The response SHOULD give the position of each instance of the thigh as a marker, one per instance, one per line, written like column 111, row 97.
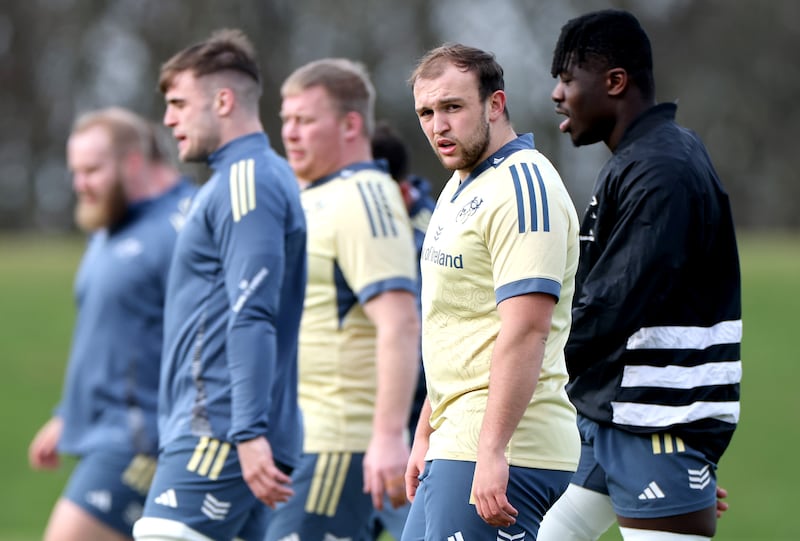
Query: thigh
column 328, row 501
column 199, row 483
column 654, row 475
column 392, row 519
column 448, row 512
column 111, row 487
column 590, row 473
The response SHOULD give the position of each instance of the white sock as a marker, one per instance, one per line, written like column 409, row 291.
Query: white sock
column 579, row 515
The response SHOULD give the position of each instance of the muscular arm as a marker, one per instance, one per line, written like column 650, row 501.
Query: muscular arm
column 516, row 364
column 395, row 317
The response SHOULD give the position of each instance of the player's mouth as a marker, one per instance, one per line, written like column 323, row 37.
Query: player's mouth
column 445, row 147
column 565, row 124
column 294, row 154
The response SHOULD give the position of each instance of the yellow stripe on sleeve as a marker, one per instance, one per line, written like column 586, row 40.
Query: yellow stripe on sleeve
column 251, row 185
column 234, row 187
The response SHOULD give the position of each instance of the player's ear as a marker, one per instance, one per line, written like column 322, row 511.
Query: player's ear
column 616, row 81
column 132, row 164
column 497, row 104
column 352, row 124
column 224, row 100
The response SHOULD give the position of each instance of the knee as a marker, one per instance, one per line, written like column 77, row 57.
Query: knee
column 579, row 515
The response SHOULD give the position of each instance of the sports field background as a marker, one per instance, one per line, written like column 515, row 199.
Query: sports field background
column 36, row 316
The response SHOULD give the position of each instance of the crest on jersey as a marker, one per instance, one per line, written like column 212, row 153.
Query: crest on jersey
column 469, row 209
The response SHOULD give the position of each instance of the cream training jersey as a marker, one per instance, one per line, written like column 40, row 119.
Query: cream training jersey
column 360, row 244
column 509, row 229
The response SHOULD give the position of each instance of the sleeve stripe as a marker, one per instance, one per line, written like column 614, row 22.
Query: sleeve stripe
column 366, row 207
column 382, row 203
column 533, row 206
column 545, row 207
column 532, row 193
column 378, row 209
column 243, row 188
column 518, row 191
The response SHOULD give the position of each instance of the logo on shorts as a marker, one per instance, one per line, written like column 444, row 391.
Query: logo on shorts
column 167, row 498
column 214, row 508
column 699, row 479
column 505, row 536
column 652, row 492
column 100, row 499
column 455, row 537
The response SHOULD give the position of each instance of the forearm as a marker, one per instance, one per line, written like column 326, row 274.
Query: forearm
column 397, row 371
column 251, row 358
column 424, row 430
column 516, row 363
column 515, row 366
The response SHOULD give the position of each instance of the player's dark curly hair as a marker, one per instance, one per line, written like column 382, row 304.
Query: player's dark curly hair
column 607, row 39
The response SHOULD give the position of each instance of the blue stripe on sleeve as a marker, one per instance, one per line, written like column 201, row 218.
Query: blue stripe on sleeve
column 532, row 194
column 528, row 285
column 366, row 207
column 380, row 209
column 518, row 191
column 545, row 209
column 385, row 204
column 392, row 284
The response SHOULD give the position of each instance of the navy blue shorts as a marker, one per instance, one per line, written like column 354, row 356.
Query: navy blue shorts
column 441, row 508
column 329, row 500
column 646, row 475
column 199, row 483
column 111, row 486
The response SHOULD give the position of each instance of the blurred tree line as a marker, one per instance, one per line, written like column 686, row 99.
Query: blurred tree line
column 729, row 63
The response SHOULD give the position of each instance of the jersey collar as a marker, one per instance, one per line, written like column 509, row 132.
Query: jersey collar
column 522, row 142
column 233, row 149
column 348, row 171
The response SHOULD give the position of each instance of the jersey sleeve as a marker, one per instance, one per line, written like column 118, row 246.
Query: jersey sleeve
column 528, row 229
column 374, row 243
column 249, row 217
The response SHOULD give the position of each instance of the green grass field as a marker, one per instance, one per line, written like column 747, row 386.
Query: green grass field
column 36, row 317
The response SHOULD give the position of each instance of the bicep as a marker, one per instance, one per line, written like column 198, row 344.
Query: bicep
column 526, row 315
column 391, row 308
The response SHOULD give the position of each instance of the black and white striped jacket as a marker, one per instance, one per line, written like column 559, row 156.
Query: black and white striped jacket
column 656, row 332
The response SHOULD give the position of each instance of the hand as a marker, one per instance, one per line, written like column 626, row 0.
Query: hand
column 42, row 452
column 489, row 485
column 384, row 465
column 266, row 481
column 721, row 506
column 415, row 467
